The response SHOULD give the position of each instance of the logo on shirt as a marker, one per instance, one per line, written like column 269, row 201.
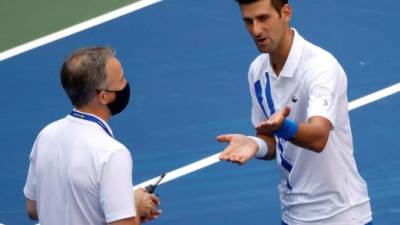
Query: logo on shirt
column 326, row 103
column 294, row 99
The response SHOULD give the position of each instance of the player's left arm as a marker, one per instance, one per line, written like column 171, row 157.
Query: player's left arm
column 312, row 135
column 327, row 96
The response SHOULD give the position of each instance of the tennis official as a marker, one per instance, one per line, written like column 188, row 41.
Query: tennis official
column 79, row 174
column 300, row 112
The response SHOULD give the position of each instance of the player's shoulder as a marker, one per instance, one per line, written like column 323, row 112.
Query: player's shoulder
column 317, row 58
column 320, row 65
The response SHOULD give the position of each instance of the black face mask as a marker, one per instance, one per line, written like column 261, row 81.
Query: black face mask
column 121, row 100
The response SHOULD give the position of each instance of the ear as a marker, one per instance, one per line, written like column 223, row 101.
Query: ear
column 104, row 97
column 286, row 12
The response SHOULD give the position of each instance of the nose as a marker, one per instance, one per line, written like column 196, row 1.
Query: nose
column 257, row 29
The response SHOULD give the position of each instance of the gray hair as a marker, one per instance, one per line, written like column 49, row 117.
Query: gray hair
column 84, row 72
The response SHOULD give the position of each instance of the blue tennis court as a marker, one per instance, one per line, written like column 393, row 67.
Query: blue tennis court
column 187, row 63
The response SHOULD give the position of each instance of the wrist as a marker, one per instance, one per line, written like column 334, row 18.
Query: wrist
column 262, row 147
column 288, row 130
column 139, row 202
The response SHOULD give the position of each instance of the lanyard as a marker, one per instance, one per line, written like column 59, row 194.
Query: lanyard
column 87, row 117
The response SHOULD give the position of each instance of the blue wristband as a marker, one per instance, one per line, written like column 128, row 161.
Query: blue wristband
column 288, row 130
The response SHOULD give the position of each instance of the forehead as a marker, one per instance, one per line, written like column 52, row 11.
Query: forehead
column 256, row 8
column 114, row 68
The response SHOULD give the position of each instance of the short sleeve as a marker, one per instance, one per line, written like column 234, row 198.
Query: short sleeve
column 116, row 189
column 30, row 185
column 326, row 88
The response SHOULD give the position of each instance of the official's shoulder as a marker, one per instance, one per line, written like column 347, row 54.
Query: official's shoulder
column 106, row 149
column 53, row 127
column 109, row 145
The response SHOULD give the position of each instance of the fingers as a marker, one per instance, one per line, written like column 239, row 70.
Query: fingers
column 225, row 138
column 238, row 159
column 273, row 123
column 240, row 149
column 226, row 154
column 286, row 111
column 147, row 205
column 232, row 157
column 230, row 153
column 267, row 126
column 155, row 199
column 150, row 212
column 154, row 215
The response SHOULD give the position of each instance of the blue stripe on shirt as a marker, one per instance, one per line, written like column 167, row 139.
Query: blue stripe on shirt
column 258, row 89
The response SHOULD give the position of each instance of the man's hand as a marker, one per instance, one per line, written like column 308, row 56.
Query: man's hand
column 146, row 205
column 240, row 149
column 273, row 123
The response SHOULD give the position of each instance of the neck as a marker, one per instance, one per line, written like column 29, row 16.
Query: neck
column 279, row 56
column 103, row 114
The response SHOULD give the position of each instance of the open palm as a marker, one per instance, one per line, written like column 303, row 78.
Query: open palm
column 240, row 149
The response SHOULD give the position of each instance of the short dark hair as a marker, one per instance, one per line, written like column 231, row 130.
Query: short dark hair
column 277, row 4
column 84, row 72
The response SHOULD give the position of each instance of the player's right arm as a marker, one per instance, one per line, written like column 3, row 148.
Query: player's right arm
column 271, row 144
column 242, row 148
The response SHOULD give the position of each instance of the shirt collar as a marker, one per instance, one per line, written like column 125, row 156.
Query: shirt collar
column 103, row 121
column 294, row 56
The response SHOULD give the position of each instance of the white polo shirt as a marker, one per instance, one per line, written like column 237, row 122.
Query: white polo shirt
column 315, row 188
column 80, row 175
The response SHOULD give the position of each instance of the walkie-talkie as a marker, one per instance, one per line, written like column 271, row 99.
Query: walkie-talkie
column 152, row 187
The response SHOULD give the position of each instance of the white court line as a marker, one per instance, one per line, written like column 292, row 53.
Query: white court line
column 172, row 175
column 76, row 28
column 374, row 96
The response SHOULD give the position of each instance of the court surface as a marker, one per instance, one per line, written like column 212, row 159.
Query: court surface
column 187, row 63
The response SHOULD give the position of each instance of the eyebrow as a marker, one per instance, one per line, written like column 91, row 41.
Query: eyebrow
column 266, row 15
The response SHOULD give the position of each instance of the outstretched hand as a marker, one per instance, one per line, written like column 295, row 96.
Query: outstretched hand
column 240, row 149
column 273, row 123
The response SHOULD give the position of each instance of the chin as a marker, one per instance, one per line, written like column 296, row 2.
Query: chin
column 264, row 49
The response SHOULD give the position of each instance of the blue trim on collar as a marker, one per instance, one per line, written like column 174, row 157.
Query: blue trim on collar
column 91, row 118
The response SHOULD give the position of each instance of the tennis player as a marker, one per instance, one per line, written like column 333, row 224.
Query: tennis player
column 300, row 113
column 79, row 174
